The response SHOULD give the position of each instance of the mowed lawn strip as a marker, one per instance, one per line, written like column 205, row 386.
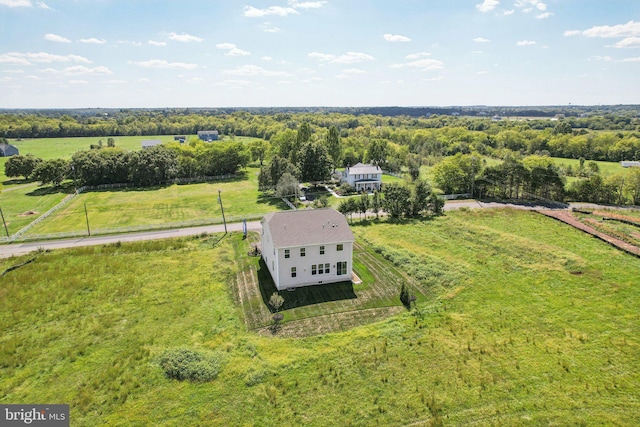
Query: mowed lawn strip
column 535, row 323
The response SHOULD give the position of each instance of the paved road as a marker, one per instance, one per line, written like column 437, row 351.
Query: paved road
column 16, row 249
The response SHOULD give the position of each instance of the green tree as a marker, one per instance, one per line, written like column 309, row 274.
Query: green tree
column 259, row 149
column 314, row 164
column 348, row 207
column 363, row 204
column 271, row 173
column 414, row 162
column 21, row 166
column 334, row 147
column 376, row 202
column 378, row 151
column 456, row 174
column 52, row 171
column 276, row 301
column 287, row 186
column 420, row 200
column 396, row 200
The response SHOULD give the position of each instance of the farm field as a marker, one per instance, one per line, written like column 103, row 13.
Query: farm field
column 520, row 320
column 169, row 205
column 53, row 148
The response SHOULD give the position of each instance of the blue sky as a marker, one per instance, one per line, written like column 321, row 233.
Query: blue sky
column 224, row 53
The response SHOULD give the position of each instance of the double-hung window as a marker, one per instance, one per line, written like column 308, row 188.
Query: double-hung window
column 302, row 251
column 321, row 250
column 287, row 253
column 293, row 272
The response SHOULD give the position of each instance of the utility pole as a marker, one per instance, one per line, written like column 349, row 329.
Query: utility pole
column 86, row 215
column 223, row 218
column 6, row 230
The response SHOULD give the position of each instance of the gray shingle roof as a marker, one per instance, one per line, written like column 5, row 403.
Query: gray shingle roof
column 307, row 227
column 362, row 169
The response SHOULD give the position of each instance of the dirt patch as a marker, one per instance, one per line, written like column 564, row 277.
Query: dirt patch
column 29, row 213
column 568, row 218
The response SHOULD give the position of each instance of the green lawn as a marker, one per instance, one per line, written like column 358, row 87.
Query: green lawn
column 521, row 320
column 162, row 205
column 606, row 168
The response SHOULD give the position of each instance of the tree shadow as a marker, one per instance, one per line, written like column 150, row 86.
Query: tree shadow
column 16, row 182
column 64, row 188
column 271, row 200
column 304, row 296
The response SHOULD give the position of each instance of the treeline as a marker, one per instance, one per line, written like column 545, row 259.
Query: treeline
column 147, row 167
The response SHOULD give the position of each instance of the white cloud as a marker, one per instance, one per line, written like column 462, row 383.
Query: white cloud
column 306, row 4
column 195, row 80
column 629, row 42
column 40, row 57
column 481, row 40
column 417, row 55
column 544, row 15
column 353, row 71
column 252, row 12
column 156, row 43
column 267, row 27
column 347, row 58
column 16, row 3
column 78, row 82
column 422, row 64
column 43, row 5
column 116, row 82
column 254, row 70
column 232, row 50
column 509, row 12
column 184, row 38
column 78, row 70
column 477, row 52
column 433, row 79
column 571, row 33
column 13, row 71
column 487, row 5
column 396, row 38
column 600, row 58
column 129, row 43
column 163, row 64
column 630, row 29
column 56, row 38
column 529, row 5
column 636, row 59
column 234, row 84
column 525, row 43
column 482, row 72
column 93, row 40
column 266, row 58
column 143, row 80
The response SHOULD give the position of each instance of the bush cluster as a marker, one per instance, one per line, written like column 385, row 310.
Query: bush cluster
column 185, row 364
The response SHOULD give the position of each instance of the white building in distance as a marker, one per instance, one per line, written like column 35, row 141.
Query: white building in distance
column 307, row 247
column 363, row 177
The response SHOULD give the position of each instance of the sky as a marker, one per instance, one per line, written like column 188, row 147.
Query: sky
column 335, row 53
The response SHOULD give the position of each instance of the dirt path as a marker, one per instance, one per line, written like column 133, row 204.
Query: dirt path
column 567, row 218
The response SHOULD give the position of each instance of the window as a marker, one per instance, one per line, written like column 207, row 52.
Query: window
column 320, row 270
column 314, row 270
column 326, row 268
column 342, row 268
column 339, row 247
column 287, row 253
column 302, row 251
column 321, row 250
column 293, row 272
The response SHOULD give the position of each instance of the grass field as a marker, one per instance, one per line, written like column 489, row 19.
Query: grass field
column 522, row 321
column 606, row 168
column 53, row 148
column 162, row 205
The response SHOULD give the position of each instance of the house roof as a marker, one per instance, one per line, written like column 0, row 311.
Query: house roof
column 6, row 147
column 151, row 142
column 360, row 169
column 307, row 227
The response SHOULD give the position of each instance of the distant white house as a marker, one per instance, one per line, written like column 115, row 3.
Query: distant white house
column 307, row 247
column 208, row 135
column 363, row 177
column 628, row 164
column 7, row 150
column 148, row 143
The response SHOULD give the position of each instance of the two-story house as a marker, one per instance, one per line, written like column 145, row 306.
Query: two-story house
column 307, row 247
column 363, row 177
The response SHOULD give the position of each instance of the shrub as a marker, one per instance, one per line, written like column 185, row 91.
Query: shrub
column 185, row 364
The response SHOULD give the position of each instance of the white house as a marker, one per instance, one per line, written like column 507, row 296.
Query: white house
column 363, row 177
column 307, row 247
column 630, row 164
column 148, row 143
